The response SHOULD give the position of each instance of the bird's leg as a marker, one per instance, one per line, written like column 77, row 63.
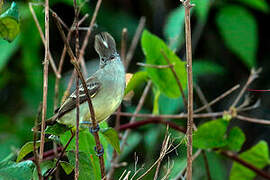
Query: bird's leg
column 92, row 131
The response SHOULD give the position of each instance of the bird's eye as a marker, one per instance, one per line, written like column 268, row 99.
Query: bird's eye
column 102, row 59
column 112, row 56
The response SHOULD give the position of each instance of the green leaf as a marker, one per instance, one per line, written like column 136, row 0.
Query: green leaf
column 9, row 23
column 169, row 105
column 258, row 4
column 163, row 78
column 56, row 129
column 111, row 136
column 68, row 168
column 201, row 9
column 205, row 67
column 211, row 134
column 240, row 33
column 15, row 171
column 174, row 28
column 86, row 168
column 258, row 156
column 137, row 79
column 26, row 149
column 236, row 139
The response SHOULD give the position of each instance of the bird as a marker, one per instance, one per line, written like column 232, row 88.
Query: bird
column 106, row 88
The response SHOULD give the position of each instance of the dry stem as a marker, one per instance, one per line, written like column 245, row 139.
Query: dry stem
column 45, row 81
column 92, row 112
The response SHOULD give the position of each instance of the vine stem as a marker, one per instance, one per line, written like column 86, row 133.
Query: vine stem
column 45, row 81
column 91, row 108
column 188, row 6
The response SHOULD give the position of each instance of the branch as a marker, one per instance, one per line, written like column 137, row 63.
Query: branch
column 177, row 116
column 45, row 81
column 138, row 124
column 176, row 78
column 91, row 25
column 134, row 42
column 253, row 120
column 188, row 6
column 253, row 75
column 92, row 112
column 218, row 98
column 57, row 74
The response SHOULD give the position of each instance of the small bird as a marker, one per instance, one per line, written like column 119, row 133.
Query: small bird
column 106, row 87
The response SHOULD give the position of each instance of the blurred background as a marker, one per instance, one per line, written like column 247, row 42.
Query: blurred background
column 229, row 37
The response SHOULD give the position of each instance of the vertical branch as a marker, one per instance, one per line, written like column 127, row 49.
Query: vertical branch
column 85, row 42
column 84, row 85
column 77, row 92
column 134, row 42
column 45, row 81
column 188, row 6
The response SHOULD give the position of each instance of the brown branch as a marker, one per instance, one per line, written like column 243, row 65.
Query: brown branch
column 253, row 120
column 51, row 171
column 234, row 157
column 217, row 99
column 176, row 116
column 125, row 136
column 57, row 74
column 85, row 42
column 176, row 78
column 76, row 174
column 188, row 6
column 253, row 75
column 138, row 124
column 155, row 66
column 45, row 81
column 92, row 112
column 134, row 42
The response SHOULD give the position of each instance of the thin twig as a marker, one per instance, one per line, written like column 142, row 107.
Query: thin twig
column 83, row 19
column 138, row 124
column 234, row 157
column 43, row 40
column 91, row 25
column 253, row 120
column 134, row 42
column 155, row 66
column 172, row 116
column 217, row 99
column 176, row 78
column 76, row 14
column 45, row 81
column 133, row 118
column 188, row 6
column 253, row 75
column 166, row 145
column 92, row 112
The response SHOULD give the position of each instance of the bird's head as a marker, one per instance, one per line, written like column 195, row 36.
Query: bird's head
column 105, row 47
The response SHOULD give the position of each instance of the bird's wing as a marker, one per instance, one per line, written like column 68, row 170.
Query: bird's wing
column 93, row 86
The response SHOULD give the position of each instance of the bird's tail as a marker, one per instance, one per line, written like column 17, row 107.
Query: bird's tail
column 50, row 121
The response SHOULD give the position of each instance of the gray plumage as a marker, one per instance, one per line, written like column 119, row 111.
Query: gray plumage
column 106, row 87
